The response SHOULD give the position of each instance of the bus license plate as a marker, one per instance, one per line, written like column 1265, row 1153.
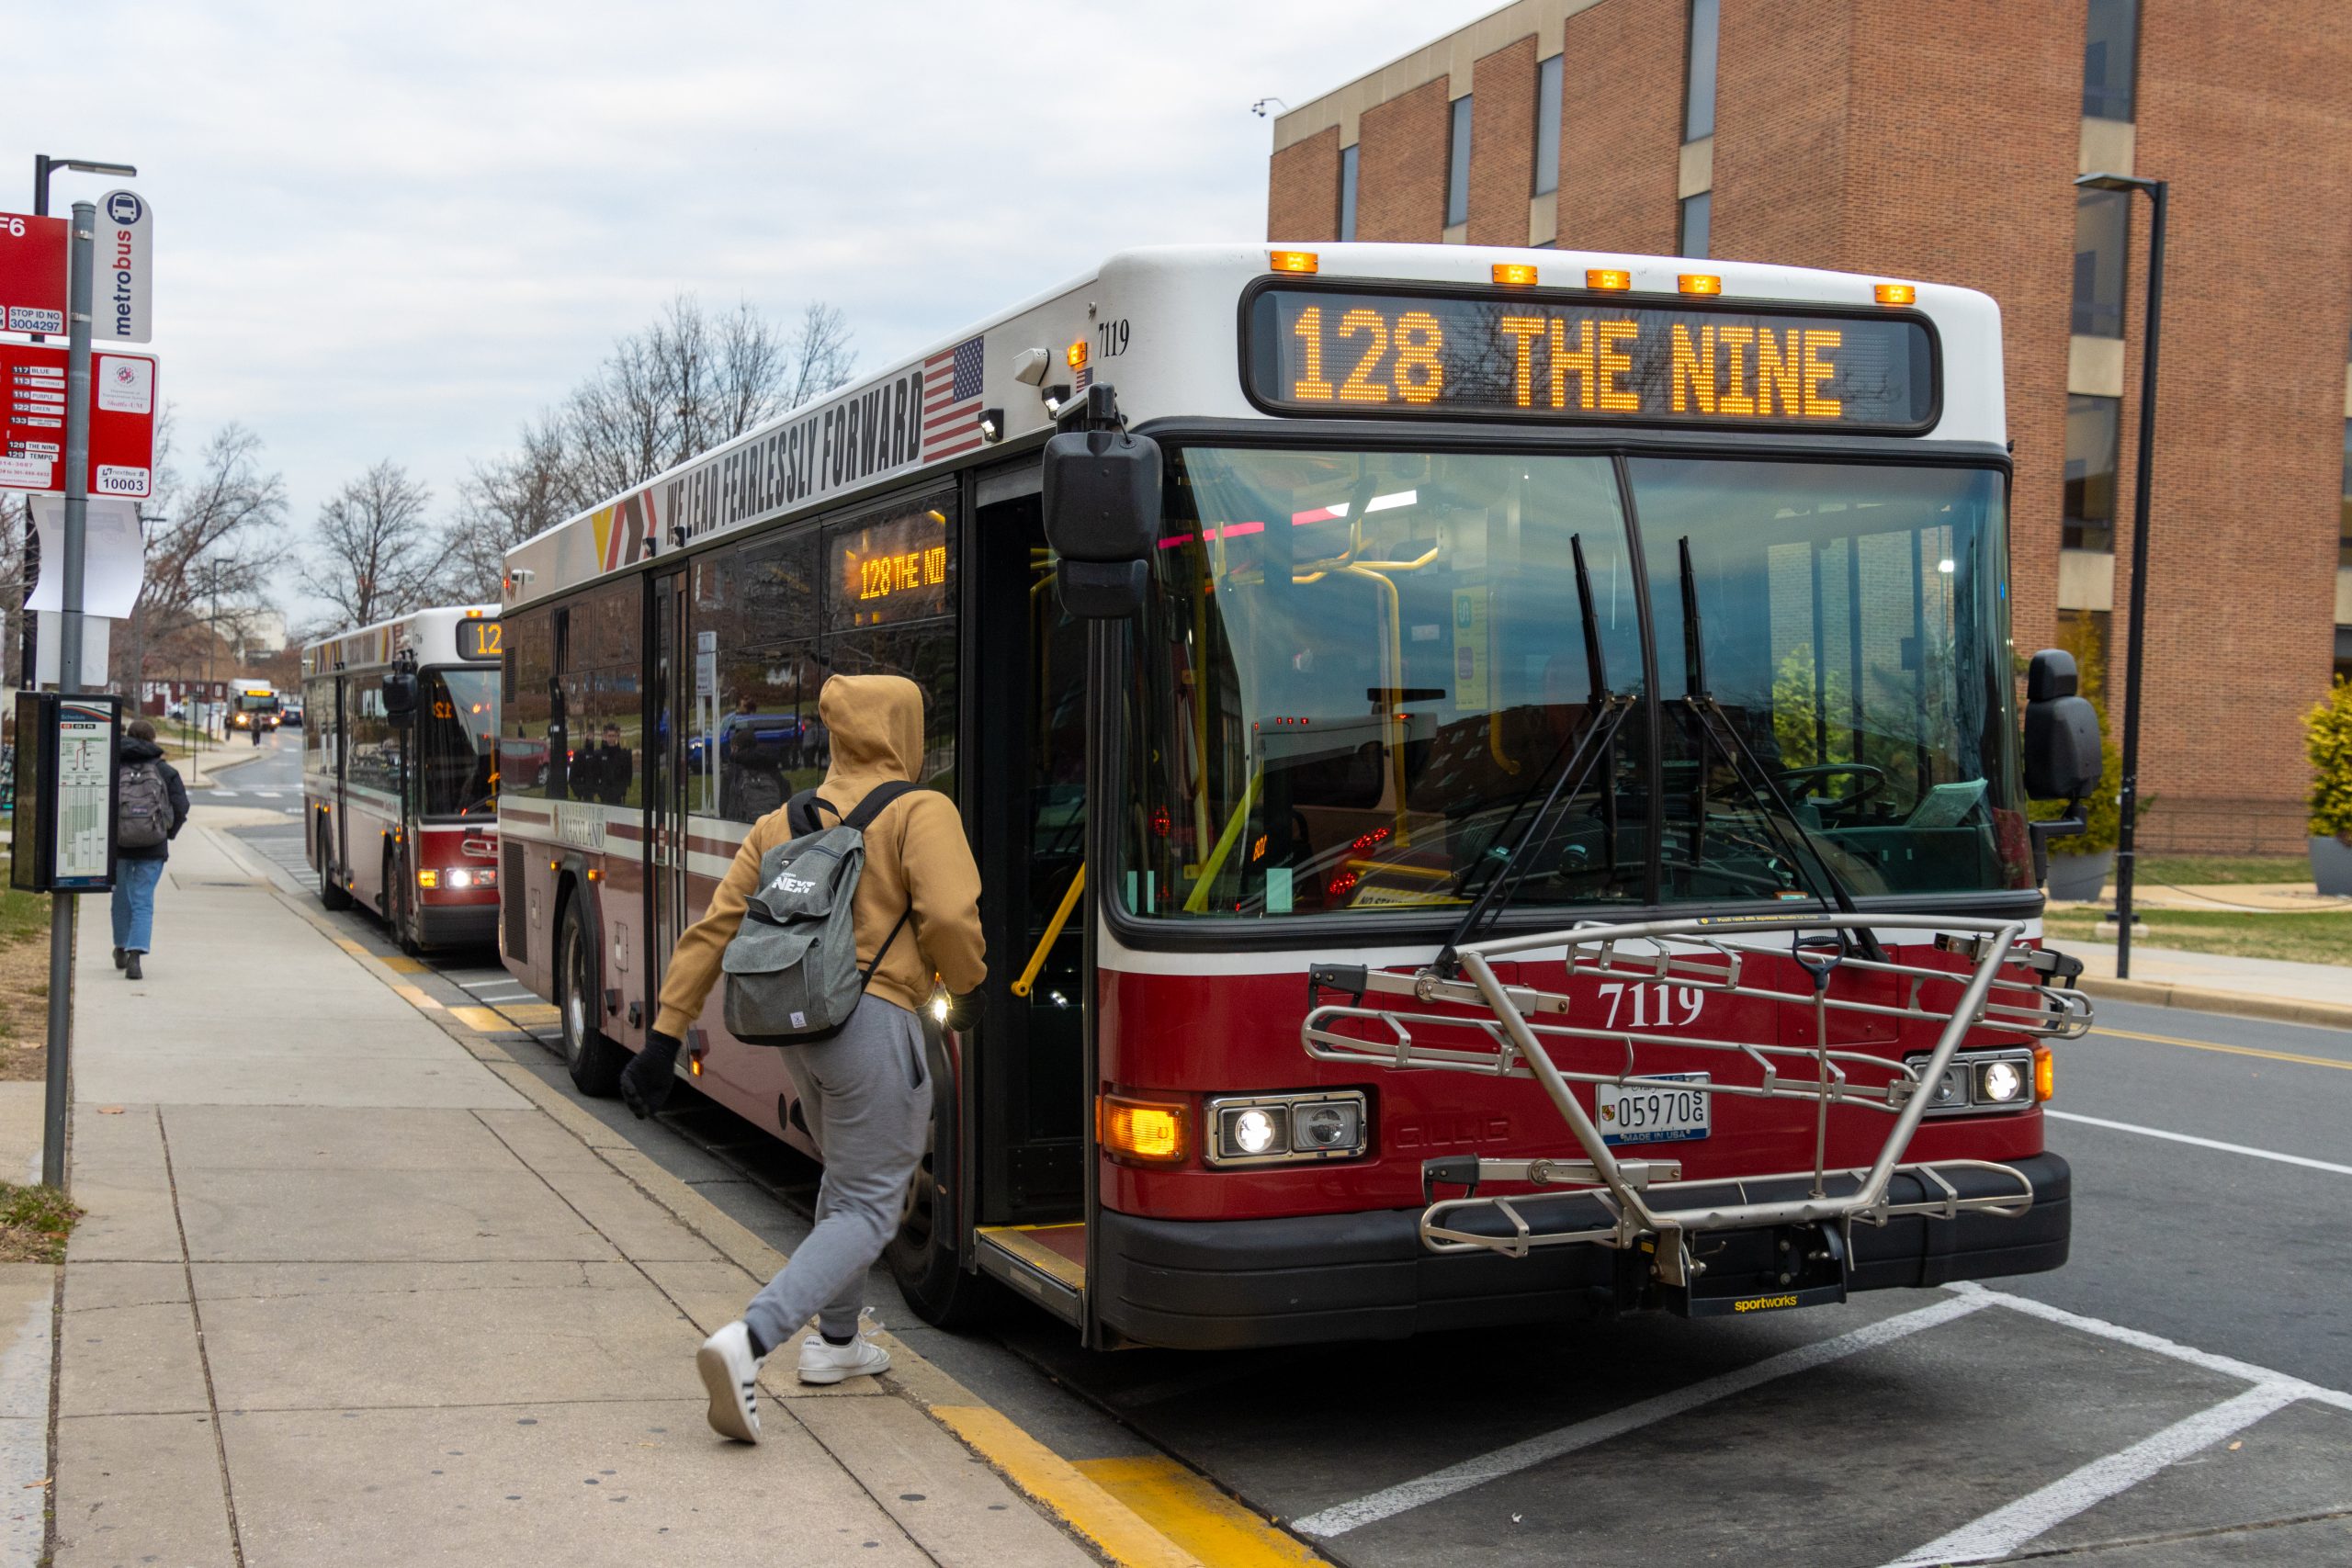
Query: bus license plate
column 1653, row 1112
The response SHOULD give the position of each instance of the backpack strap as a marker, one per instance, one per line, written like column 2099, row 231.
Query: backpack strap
column 878, row 800
column 800, row 812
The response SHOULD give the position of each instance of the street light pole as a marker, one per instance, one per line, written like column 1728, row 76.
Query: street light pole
column 2136, row 617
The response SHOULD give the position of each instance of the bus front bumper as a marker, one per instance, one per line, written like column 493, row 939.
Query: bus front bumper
column 1232, row 1284
column 456, row 925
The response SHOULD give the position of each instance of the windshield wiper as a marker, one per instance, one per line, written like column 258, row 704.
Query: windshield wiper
column 1779, row 814
column 1592, row 740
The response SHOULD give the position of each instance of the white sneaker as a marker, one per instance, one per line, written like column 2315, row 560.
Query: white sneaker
column 731, row 1373
column 822, row 1363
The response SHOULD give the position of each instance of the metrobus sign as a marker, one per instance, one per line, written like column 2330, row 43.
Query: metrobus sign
column 32, row 273
column 32, row 421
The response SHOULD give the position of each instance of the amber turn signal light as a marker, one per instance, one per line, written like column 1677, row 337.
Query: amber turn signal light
column 1076, row 354
column 2045, row 1074
column 1699, row 283
column 1611, row 279
column 1140, row 1131
column 1292, row 261
column 1517, row 275
column 1894, row 294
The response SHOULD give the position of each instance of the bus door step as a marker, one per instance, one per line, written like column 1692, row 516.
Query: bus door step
column 1044, row 1263
column 1763, row 1271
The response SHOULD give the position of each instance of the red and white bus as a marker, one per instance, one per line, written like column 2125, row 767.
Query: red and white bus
column 401, row 816
column 1420, row 613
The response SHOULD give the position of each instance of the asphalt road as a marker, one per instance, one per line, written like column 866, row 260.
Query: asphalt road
column 2175, row 1397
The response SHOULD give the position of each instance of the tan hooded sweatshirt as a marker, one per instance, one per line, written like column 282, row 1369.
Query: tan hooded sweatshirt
column 915, row 853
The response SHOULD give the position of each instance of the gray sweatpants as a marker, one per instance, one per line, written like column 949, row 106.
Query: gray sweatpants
column 866, row 1094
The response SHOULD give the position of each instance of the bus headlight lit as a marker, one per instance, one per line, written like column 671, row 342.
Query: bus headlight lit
column 2003, row 1079
column 2003, row 1082
column 1267, row 1129
column 461, row 876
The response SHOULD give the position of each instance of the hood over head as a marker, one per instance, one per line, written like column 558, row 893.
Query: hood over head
column 137, row 751
column 875, row 724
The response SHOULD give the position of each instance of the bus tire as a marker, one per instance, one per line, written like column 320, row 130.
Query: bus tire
column 594, row 1060
column 400, row 902
column 333, row 897
column 923, row 1255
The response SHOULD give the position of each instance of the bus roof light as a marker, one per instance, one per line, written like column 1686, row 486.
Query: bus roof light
column 1608, row 279
column 1516, row 275
column 1894, row 294
column 1292, row 261
column 1699, row 283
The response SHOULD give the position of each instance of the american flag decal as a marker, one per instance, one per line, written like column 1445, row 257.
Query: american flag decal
column 951, row 400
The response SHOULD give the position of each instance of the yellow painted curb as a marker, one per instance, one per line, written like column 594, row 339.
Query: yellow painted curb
column 1117, row 1532
column 1193, row 1512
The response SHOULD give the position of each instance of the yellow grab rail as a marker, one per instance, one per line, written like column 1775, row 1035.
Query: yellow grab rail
column 1022, row 986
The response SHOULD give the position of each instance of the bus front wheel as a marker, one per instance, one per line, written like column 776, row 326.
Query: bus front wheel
column 922, row 1256
column 595, row 1061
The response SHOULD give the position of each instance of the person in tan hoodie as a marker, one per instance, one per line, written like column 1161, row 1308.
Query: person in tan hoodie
column 866, row 1092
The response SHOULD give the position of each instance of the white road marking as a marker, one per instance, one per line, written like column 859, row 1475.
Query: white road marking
column 2201, row 1142
column 2004, row 1529
column 226, row 793
column 270, row 795
column 518, row 995
column 1518, row 1456
column 2157, row 1344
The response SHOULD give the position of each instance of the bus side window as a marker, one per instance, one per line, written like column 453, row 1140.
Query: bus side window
column 530, row 705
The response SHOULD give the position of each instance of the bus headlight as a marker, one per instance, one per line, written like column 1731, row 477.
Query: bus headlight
column 1977, row 1082
column 1268, row 1129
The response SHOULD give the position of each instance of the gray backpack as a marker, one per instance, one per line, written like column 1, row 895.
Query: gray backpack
column 792, row 975
column 142, row 817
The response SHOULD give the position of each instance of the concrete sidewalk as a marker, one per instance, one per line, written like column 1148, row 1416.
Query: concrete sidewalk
column 2215, row 982
column 347, row 1293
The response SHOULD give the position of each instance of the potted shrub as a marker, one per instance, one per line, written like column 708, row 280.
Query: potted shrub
column 2327, row 740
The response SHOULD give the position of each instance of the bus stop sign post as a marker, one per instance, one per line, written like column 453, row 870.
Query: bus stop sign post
column 69, row 673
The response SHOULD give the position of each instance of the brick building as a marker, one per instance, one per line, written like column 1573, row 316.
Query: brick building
column 1941, row 143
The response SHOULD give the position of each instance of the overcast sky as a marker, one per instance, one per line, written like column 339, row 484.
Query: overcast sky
column 398, row 230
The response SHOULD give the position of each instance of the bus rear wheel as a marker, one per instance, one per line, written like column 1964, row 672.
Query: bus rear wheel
column 594, row 1061
column 334, row 895
column 923, row 1255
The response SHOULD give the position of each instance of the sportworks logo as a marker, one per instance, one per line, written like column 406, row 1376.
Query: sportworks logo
column 1763, row 1303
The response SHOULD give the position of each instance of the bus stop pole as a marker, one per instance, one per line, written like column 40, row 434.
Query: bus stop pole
column 69, row 672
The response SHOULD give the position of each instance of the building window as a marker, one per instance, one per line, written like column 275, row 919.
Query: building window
column 2092, row 427
column 2344, row 527
column 1698, row 89
column 1547, row 125
column 2111, row 59
column 1346, row 193
column 2102, row 226
column 1457, row 164
column 1695, row 213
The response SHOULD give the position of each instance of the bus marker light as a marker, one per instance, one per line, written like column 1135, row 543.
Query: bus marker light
column 1894, row 294
column 1140, row 1132
column 1515, row 273
column 1608, row 279
column 1699, row 283
column 1292, row 261
column 595, row 874
column 2045, row 1074
column 428, row 877
column 1076, row 354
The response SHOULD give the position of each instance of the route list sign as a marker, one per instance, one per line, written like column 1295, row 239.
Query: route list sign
column 122, row 421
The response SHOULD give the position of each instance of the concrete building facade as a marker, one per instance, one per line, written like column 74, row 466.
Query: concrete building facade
column 1941, row 143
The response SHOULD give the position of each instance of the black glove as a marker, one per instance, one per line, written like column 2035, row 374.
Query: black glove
column 963, row 1011
column 647, row 1082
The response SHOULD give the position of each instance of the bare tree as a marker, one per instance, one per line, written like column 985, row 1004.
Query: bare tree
column 688, row 382
column 211, row 544
column 501, row 503
column 375, row 554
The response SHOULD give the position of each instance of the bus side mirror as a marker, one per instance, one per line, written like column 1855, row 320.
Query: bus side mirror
column 2061, row 751
column 399, row 696
column 1101, row 505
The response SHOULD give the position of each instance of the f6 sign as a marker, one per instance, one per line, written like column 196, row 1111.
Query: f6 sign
column 32, row 273
column 122, row 421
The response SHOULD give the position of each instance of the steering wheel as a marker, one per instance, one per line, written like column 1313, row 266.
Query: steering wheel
column 1869, row 782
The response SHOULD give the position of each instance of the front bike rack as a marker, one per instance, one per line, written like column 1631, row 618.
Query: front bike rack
column 1643, row 1206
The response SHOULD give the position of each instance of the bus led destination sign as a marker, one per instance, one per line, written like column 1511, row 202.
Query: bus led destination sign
column 1575, row 358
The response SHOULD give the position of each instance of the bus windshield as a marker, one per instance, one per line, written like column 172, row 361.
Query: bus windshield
column 457, row 742
column 1361, row 673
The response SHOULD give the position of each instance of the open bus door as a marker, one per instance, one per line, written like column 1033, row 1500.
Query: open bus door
column 1019, row 1166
